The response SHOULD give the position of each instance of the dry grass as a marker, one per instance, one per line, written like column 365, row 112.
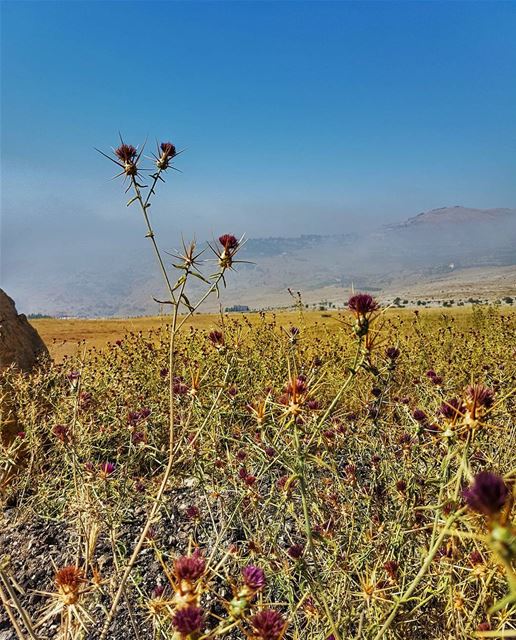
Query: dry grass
column 68, row 336
column 330, row 467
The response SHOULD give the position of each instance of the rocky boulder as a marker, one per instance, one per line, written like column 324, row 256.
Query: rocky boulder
column 21, row 346
column 20, row 343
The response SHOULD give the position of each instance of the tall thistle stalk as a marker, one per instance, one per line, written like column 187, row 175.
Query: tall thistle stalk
column 128, row 159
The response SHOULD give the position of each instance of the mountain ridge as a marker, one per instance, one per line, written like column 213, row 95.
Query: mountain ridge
column 439, row 245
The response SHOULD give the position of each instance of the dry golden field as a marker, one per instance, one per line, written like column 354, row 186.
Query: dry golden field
column 68, row 336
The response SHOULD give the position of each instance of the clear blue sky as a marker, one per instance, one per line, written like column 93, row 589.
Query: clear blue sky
column 295, row 116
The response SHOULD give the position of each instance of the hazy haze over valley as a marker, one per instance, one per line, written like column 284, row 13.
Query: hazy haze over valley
column 446, row 245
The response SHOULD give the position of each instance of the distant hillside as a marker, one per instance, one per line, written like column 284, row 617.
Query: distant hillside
column 458, row 215
column 430, row 247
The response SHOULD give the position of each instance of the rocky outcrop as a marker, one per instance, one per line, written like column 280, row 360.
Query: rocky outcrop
column 21, row 347
column 20, row 344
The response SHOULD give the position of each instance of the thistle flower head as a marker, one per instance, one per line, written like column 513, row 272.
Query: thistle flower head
column 391, row 567
column 487, row 494
column 295, row 551
column 362, row 304
column 68, row 581
column 296, row 386
column 168, row 149
column 128, row 158
column 190, row 568
column 216, row 338
column 230, row 245
column 268, row 625
column 392, row 353
column 188, row 620
column 419, row 415
column 126, row 153
column 62, row 432
column 228, row 241
column 253, row 578
column 167, row 152
column 158, row 591
column 295, row 396
column 107, row 469
column 180, row 388
column 452, row 409
column 478, row 399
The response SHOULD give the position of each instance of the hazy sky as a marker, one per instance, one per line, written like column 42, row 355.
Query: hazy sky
column 295, row 117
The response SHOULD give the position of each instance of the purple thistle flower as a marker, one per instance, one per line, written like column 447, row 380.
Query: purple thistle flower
column 188, row 620
column 126, row 153
column 391, row 567
column 419, row 415
column 250, row 480
column 133, row 418
column 268, row 624
column 179, row 386
column 228, row 241
column 216, row 338
column 85, row 399
column 193, row 512
column 295, row 551
column 62, row 432
column 362, row 304
column 254, row 578
column 297, row 386
column 137, row 437
column 168, row 150
column 452, row 409
column 392, row 353
column 478, row 397
column 107, row 469
column 190, row 568
column 487, row 494
column 401, row 486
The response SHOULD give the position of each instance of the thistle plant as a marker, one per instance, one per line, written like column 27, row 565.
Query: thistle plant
column 489, row 496
column 129, row 160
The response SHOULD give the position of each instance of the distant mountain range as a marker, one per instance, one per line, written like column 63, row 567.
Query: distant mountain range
column 416, row 257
